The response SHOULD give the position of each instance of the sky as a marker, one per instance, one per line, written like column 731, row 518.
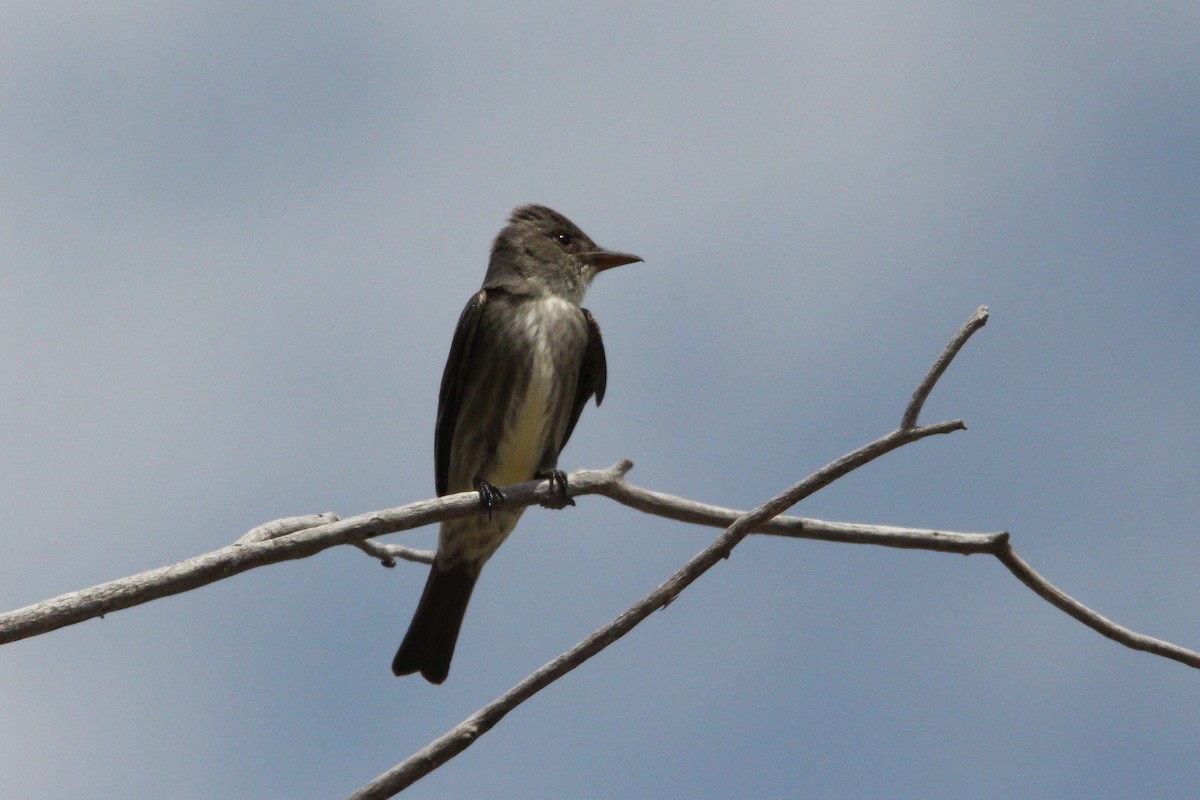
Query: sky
column 234, row 242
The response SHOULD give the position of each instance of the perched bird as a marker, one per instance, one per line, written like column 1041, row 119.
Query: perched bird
column 524, row 360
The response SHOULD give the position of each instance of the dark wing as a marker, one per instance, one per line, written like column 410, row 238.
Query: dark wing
column 452, row 382
column 593, row 374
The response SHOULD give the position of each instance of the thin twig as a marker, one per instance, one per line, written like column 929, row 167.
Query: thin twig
column 974, row 323
column 681, row 509
column 1103, row 625
column 388, row 553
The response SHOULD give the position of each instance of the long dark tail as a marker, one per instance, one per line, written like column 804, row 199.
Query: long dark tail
column 429, row 644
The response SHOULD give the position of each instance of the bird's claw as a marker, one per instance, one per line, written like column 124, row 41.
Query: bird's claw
column 490, row 496
column 558, row 486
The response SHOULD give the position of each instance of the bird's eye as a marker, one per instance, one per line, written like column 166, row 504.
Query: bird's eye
column 564, row 239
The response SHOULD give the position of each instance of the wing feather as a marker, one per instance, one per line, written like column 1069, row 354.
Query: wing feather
column 593, row 374
column 453, row 378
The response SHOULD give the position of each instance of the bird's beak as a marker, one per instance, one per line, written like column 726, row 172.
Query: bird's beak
column 607, row 259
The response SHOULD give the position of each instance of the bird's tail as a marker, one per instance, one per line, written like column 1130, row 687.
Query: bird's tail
column 429, row 644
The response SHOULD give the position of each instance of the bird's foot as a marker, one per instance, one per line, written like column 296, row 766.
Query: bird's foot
column 490, row 497
column 558, row 486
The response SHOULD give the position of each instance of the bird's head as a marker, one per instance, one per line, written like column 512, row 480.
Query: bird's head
column 541, row 251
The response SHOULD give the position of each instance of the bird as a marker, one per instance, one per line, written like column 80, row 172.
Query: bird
column 524, row 360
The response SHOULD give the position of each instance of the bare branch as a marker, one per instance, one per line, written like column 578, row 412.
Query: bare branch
column 681, row 509
column 1103, row 625
column 469, row 730
column 976, row 321
column 85, row 604
column 254, row 549
column 762, row 519
column 300, row 537
column 294, row 537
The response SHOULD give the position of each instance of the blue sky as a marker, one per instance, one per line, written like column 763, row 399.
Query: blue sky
column 235, row 243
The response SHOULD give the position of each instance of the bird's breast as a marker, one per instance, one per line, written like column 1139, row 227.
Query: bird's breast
column 550, row 336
